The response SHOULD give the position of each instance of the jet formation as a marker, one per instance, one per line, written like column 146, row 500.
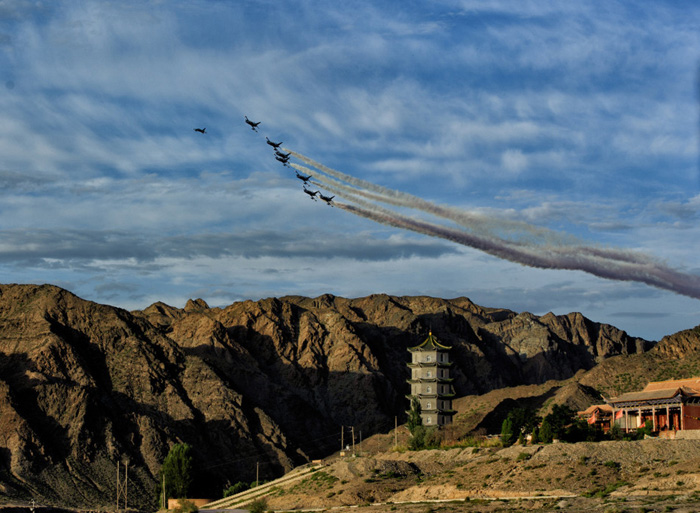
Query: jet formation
column 283, row 158
column 253, row 124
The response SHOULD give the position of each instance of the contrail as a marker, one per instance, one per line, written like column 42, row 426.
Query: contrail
column 619, row 266
column 557, row 251
column 469, row 220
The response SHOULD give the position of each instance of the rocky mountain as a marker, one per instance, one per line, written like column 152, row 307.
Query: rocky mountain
column 264, row 384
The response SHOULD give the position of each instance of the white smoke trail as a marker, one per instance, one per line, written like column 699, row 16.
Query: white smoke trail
column 470, row 220
column 616, row 265
column 556, row 253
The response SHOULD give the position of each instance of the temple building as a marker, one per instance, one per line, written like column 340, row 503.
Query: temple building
column 599, row 416
column 670, row 406
column 430, row 381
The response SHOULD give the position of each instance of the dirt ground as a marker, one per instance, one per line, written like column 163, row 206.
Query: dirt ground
column 648, row 475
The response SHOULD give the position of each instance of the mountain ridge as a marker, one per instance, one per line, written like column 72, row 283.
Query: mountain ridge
column 83, row 385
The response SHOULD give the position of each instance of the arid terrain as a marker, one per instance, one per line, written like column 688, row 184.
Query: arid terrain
column 267, row 386
column 646, row 475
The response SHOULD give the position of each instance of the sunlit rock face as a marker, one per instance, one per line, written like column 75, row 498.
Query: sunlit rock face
column 84, row 385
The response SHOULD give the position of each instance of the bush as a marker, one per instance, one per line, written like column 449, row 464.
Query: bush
column 239, row 487
column 185, row 506
column 258, row 506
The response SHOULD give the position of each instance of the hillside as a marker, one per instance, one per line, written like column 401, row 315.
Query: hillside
column 648, row 475
column 84, row 385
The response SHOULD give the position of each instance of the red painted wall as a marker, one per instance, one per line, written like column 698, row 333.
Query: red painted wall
column 692, row 416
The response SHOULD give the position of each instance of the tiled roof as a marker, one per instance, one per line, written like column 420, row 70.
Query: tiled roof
column 429, row 344
column 656, row 390
column 606, row 408
column 651, row 395
column 692, row 383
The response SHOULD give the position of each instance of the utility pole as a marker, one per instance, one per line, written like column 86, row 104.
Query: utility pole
column 257, row 473
column 396, row 432
column 165, row 506
column 352, row 430
column 342, row 443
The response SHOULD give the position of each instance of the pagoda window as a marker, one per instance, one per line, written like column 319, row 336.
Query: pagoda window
column 429, row 374
column 428, row 358
column 428, row 420
column 429, row 390
column 428, row 406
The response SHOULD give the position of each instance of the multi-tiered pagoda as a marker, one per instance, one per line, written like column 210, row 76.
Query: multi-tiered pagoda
column 430, row 381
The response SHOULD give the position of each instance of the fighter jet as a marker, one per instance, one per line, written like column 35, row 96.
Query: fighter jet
column 302, row 177
column 326, row 198
column 200, row 130
column 311, row 193
column 280, row 159
column 283, row 155
column 273, row 144
column 253, row 124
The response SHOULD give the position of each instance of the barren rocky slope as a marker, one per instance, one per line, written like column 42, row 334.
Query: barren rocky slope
column 650, row 475
column 83, row 385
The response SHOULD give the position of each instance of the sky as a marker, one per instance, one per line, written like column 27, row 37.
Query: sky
column 579, row 119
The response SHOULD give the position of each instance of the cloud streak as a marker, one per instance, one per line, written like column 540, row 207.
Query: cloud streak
column 548, row 250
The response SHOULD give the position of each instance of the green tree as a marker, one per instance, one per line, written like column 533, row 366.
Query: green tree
column 176, row 472
column 615, row 432
column 417, row 441
column 546, row 433
column 518, row 423
column 561, row 417
column 508, row 434
column 414, row 416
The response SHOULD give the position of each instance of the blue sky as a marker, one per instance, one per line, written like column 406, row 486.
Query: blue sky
column 578, row 117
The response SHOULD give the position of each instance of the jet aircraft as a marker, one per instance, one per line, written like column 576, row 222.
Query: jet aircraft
column 253, row 124
column 311, row 193
column 200, row 130
column 302, row 177
column 326, row 198
column 280, row 159
column 283, row 155
column 273, row 144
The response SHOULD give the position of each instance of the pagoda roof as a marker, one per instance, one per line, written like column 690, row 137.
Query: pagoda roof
column 430, row 344
column 604, row 408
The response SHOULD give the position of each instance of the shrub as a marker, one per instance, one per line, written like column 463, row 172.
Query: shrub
column 185, row 506
column 258, row 506
column 239, row 487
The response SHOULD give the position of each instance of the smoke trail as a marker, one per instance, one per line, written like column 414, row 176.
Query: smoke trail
column 470, row 220
column 616, row 265
column 482, row 233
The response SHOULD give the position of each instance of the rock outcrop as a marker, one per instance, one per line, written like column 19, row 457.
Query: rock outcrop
column 84, row 385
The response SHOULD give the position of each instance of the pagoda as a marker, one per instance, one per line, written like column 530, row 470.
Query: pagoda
column 430, row 381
